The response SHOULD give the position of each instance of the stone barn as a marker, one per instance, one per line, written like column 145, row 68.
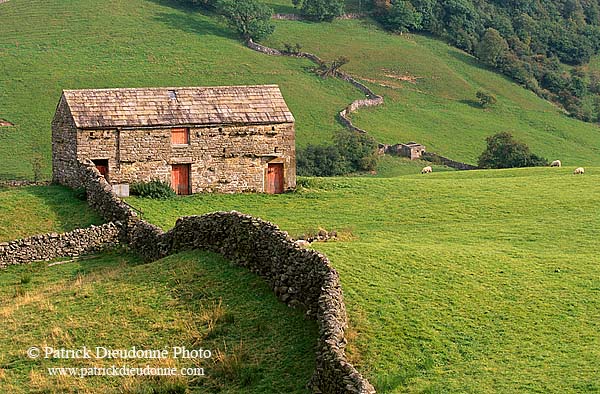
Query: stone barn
column 199, row 139
column 412, row 150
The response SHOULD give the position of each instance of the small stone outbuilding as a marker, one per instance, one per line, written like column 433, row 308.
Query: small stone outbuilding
column 412, row 150
column 199, row 139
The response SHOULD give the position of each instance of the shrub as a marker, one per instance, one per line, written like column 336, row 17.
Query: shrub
column 504, row 152
column 351, row 152
column 486, row 99
column 316, row 160
column 153, row 189
column 322, row 10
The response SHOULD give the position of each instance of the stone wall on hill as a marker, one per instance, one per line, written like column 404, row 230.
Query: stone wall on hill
column 50, row 246
column 299, row 277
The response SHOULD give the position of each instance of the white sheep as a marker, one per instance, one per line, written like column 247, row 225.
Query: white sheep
column 556, row 163
column 426, row 170
column 578, row 170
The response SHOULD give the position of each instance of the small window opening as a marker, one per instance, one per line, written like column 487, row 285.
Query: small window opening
column 276, row 149
column 180, row 136
column 273, row 128
column 220, row 129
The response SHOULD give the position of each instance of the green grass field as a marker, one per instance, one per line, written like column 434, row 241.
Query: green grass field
column 194, row 300
column 458, row 282
column 31, row 210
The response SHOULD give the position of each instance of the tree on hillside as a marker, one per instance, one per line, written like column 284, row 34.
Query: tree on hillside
column 504, row 152
column 251, row 19
column 402, row 17
column 492, row 48
column 322, row 10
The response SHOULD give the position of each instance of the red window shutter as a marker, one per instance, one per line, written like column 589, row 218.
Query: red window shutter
column 180, row 136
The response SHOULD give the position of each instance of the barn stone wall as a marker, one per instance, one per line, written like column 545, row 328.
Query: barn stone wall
column 64, row 146
column 223, row 159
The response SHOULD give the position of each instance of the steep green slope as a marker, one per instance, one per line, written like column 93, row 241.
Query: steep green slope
column 457, row 282
column 430, row 88
column 46, row 46
column 195, row 300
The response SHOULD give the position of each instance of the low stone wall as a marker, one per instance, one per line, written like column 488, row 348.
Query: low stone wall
column 372, row 99
column 299, row 277
column 101, row 198
column 435, row 158
column 298, row 17
column 21, row 183
column 50, row 246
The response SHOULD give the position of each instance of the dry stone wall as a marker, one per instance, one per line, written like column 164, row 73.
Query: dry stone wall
column 50, row 246
column 372, row 100
column 299, row 277
column 435, row 158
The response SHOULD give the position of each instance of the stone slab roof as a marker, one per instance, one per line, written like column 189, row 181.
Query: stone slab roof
column 140, row 107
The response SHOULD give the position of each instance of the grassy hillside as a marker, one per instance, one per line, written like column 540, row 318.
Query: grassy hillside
column 430, row 88
column 458, row 282
column 195, row 300
column 47, row 46
column 31, row 210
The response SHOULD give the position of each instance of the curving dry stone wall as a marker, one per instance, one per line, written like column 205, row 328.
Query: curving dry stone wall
column 299, row 277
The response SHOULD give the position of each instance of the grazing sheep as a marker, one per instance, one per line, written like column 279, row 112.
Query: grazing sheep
column 578, row 170
column 426, row 170
column 556, row 163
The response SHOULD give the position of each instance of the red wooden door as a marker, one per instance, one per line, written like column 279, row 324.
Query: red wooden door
column 275, row 178
column 180, row 178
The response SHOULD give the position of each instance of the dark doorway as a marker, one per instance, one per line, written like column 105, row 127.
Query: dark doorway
column 274, row 178
column 102, row 166
column 180, row 178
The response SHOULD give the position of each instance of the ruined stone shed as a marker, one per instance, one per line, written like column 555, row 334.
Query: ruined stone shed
column 199, row 139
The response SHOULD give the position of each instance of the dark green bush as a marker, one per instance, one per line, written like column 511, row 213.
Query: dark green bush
column 153, row 189
column 351, row 152
column 486, row 99
column 504, row 152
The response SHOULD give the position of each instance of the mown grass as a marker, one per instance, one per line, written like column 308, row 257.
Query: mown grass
column 194, row 299
column 26, row 211
column 429, row 89
column 455, row 282
column 47, row 46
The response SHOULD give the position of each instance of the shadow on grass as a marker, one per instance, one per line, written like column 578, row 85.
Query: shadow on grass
column 71, row 212
column 190, row 22
column 471, row 103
